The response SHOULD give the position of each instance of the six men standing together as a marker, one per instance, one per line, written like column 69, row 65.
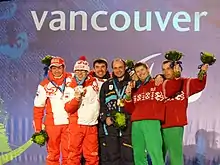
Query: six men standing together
column 79, row 110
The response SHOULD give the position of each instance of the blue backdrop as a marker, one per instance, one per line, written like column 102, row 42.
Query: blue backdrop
column 139, row 30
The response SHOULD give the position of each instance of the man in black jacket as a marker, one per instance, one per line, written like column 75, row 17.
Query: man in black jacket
column 115, row 146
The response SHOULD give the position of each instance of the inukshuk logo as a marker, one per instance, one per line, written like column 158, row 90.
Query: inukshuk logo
column 181, row 21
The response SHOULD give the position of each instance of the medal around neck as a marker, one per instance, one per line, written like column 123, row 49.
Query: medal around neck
column 80, row 88
column 121, row 102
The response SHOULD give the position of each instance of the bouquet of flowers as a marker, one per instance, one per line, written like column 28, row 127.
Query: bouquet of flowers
column 46, row 61
column 130, row 67
column 40, row 138
column 119, row 119
column 131, row 71
column 206, row 58
column 175, row 57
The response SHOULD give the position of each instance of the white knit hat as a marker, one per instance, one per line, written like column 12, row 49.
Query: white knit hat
column 82, row 64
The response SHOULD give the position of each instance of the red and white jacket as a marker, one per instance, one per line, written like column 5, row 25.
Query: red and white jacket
column 176, row 108
column 86, row 111
column 50, row 98
column 148, row 100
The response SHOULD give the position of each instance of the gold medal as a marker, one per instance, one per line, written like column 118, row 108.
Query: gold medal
column 120, row 102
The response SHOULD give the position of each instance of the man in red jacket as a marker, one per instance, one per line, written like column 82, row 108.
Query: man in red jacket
column 176, row 116
column 147, row 108
column 49, row 97
column 82, row 105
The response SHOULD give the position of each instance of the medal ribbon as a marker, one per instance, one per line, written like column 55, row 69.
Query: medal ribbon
column 80, row 82
column 148, row 78
column 119, row 92
column 62, row 88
